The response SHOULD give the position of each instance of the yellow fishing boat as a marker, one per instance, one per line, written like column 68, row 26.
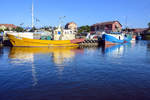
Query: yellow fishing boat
column 27, row 42
column 60, row 37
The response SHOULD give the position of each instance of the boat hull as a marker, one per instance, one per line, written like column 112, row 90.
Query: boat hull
column 25, row 42
column 113, row 40
column 138, row 38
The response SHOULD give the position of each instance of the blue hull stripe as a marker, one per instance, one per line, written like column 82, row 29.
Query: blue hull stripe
column 112, row 39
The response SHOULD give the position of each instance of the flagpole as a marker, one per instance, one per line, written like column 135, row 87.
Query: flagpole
column 32, row 14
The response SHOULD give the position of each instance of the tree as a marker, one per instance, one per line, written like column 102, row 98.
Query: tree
column 149, row 25
column 13, row 29
column 84, row 29
column 47, row 28
column 6, row 29
column 1, row 30
column 33, row 29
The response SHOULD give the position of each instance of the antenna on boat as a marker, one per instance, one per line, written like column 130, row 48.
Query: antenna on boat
column 61, row 21
column 126, row 21
column 32, row 14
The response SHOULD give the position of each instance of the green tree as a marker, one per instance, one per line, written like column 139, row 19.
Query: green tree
column 33, row 29
column 1, row 30
column 18, row 29
column 13, row 29
column 47, row 28
column 7, row 29
column 84, row 29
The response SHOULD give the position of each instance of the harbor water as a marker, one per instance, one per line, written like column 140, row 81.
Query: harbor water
column 120, row 72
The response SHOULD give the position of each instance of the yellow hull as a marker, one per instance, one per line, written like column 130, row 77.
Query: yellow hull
column 25, row 42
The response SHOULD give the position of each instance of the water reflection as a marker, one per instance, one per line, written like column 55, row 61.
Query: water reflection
column 115, row 50
column 60, row 56
column 97, row 74
column 148, row 49
column 1, row 51
column 148, row 46
column 34, row 78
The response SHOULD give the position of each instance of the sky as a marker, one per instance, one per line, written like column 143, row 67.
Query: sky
column 134, row 13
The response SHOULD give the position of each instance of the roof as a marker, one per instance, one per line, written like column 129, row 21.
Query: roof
column 8, row 25
column 139, row 30
column 106, row 23
column 71, row 23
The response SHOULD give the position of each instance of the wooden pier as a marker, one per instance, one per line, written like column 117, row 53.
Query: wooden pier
column 4, row 41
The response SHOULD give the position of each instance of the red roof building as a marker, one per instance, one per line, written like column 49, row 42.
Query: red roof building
column 9, row 26
column 111, row 26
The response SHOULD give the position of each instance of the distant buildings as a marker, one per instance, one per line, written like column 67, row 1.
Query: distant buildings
column 139, row 30
column 71, row 26
column 7, row 26
column 111, row 26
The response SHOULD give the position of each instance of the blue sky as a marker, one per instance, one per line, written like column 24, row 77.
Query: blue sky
column 83, row 12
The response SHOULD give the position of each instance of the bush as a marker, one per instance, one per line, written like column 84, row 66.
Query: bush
column 1, row 30
column 149, row 25
column 33, row 29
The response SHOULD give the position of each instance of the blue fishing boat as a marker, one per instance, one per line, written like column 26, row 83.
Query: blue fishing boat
column 138, row 37
column 116, row 38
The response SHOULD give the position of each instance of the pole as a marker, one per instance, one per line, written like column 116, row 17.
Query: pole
column 32, row 14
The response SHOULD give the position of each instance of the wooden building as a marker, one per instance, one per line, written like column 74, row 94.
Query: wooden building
column 111, row 26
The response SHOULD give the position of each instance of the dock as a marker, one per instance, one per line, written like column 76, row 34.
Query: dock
column 4, row 41
column 90, row 43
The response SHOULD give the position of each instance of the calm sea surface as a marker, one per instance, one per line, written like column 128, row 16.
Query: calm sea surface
column 119, row 72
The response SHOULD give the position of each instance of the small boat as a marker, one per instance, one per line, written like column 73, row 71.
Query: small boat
column 116, row 38
column 138, row 37
column 23, row 40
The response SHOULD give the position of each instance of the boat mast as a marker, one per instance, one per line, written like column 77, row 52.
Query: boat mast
column 126, row 21
column 32, row 14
